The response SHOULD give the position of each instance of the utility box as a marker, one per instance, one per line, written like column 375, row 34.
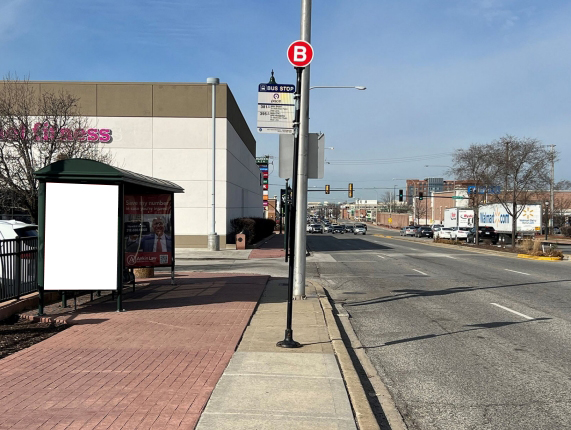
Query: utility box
column 97, row 221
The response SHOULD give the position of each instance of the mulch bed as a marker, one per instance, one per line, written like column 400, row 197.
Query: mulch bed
column 17, row 333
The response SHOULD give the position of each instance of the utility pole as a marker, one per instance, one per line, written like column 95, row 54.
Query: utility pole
column 551, row 190
column 301, row 197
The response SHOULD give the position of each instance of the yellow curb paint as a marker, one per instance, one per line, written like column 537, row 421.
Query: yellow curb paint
column 533, row 257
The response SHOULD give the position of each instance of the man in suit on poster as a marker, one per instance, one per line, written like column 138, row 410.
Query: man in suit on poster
column 157, row 241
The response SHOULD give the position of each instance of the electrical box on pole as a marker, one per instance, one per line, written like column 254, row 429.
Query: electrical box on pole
column 401, row 195
column 350, row 190
column 327, row 189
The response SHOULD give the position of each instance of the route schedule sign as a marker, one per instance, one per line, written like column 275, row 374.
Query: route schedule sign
column 276, row 108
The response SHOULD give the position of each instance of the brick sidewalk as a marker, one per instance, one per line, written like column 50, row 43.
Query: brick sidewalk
column 153, row 366
column 272, row 248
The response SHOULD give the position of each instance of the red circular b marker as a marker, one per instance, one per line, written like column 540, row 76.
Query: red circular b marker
column 300, row 53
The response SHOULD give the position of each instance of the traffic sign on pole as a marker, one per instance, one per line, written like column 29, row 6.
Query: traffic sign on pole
column 300, row 53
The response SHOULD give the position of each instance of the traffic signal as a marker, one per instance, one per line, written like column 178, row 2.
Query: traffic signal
column 401, row 195
column 327, row 189
column 420, row 196
column 350, row 190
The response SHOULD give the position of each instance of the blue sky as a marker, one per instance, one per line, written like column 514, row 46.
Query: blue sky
column 440, row 74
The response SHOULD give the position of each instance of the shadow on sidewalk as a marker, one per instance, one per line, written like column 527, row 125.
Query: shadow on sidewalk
column 190, row 290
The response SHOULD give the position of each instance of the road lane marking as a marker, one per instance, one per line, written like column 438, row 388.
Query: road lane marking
column 512, row 311
column 515, row 271
column 381, row 256
column 422, row 273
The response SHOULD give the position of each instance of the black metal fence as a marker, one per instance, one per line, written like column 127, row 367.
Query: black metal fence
column 18, row 267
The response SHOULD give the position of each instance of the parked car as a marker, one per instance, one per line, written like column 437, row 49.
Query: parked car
column 349, row 228
column 338, row 228
column 12, row 229
column 308, row 228
column 460, row 233
column 424, row 231
column 361, row 225
column 484, row 233
column 316, row 228
column 410, row 230
column 443, row 233
column 402, row 231
column 359, row 230
column 327, row 228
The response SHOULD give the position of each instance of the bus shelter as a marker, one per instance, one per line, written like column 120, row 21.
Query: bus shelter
column 97, row 222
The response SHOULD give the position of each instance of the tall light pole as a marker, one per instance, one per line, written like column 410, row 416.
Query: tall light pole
column 300, row 246
column 213, row 238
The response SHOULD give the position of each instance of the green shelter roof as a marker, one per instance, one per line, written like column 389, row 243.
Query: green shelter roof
column 90, row 171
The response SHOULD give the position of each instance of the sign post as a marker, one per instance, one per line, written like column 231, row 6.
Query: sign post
column 300, row 55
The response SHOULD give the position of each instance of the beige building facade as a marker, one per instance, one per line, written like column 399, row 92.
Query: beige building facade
column 164, row 130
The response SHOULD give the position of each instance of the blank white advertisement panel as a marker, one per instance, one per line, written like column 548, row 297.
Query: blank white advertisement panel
column 81, row 237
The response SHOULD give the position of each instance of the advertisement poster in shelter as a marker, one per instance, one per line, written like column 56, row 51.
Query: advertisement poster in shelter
column 148, row 230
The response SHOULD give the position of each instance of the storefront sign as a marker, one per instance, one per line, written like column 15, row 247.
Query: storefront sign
column 43, row 133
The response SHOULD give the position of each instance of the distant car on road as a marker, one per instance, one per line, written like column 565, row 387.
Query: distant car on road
column 338, row 229
column 443, row 233
column 316, row 228
column 410, row 230
column 349, row 228
column 484, row 233
column 359, row 230
column 361, row 225
column 424, row 231
column 460, row 233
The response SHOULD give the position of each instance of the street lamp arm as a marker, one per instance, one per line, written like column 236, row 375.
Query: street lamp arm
column 328, row 86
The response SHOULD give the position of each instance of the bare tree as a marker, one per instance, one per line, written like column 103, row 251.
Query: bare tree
column 475, row 164
column 521, row 167
column 563, row 185
column 36, row 129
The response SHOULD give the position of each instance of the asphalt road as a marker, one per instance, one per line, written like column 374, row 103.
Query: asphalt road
column 462, row 340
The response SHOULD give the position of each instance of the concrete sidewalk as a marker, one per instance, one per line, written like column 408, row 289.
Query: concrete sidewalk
column 267, row 387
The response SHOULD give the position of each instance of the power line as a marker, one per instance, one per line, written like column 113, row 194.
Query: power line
column 390, row 160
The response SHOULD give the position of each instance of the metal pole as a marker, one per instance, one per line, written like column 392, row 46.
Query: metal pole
column 552, row 191
column 213, row 238
column 286, row 221
column 288, row 341
column 301, row 193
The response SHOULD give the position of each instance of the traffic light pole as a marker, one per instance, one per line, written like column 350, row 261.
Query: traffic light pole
column 288, row 341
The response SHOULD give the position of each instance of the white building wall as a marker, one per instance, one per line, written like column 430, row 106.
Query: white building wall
column 180, row 150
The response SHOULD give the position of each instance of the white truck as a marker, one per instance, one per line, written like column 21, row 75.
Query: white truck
column 495, row 215
column 456, row 217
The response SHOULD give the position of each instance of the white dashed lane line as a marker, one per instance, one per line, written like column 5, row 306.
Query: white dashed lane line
column 515, row 271
column 512, row 311
column 422, row 273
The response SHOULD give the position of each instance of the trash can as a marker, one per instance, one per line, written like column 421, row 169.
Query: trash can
column 240, row 241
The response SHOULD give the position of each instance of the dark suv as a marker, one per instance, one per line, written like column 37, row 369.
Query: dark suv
column 484, row 233
column 424, row 232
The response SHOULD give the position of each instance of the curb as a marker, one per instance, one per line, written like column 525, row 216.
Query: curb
column 477, row 251
column 533, row 257
column 364, row 415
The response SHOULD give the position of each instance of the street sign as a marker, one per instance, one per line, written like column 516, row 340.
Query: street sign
column 390, row 220
column 457, row 197
column 300, row 53
column 276, row 108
